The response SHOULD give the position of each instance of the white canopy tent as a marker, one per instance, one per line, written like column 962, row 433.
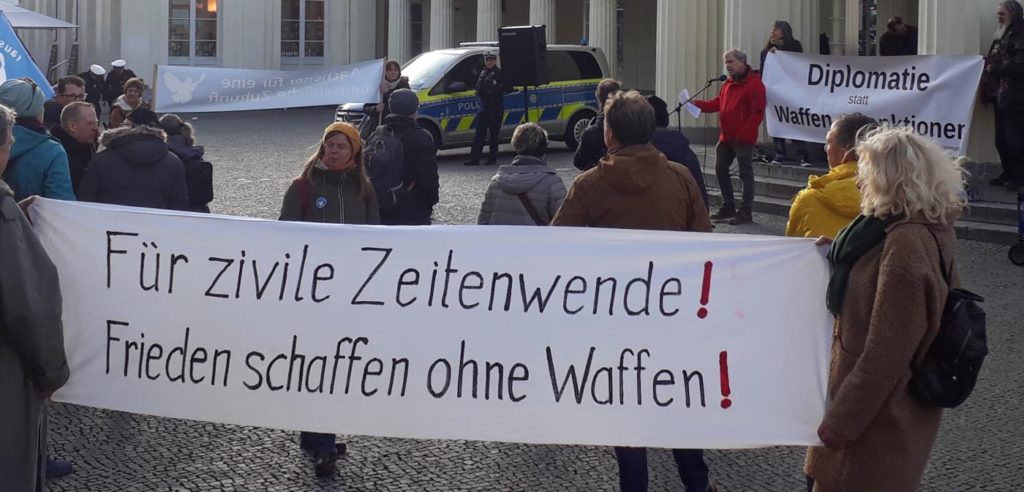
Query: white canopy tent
column 26, row 19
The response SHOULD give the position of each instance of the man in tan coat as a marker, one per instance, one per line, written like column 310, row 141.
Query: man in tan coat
column 635, row 187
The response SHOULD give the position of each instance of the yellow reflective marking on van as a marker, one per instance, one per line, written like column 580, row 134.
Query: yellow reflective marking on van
column 465, row 123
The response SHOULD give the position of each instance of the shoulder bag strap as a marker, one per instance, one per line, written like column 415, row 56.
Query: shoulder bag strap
column 947, row 272
column 530, row 209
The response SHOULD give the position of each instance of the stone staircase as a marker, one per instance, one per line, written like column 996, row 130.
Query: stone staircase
column 990, row 217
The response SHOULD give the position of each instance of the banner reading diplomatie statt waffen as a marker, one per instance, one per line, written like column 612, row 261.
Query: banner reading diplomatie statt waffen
column 518, row 334
column 933, row 94
column 207, row 89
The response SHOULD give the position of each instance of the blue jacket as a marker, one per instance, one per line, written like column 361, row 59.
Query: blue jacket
column 38, row 166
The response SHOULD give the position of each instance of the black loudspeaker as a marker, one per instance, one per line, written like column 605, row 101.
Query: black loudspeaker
column 523, row 51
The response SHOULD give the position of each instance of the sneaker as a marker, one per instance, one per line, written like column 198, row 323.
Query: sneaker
column 743, row 217
column 776, row 162
column 57, row 468
column 727, row 211
column 471, row 163
column 805, row 162
column 324, row 464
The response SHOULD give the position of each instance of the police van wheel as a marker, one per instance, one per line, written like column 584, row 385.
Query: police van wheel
column 434, row 132
column 579, row 122
column 1017, row 254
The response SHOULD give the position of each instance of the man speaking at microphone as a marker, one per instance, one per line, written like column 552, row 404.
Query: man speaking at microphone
column 741, row 103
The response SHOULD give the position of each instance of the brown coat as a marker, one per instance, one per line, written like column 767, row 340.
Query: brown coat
column 635, row 188
column 893, row 306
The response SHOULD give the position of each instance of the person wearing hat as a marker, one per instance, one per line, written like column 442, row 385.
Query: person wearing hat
column 128, row 102
column 490, row 89
column 419, row 166
column 38, row 164
column 136, row 168
column 94, row 86
column 114, row 86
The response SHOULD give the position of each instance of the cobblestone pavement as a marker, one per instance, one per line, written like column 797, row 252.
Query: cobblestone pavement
column 981, row 446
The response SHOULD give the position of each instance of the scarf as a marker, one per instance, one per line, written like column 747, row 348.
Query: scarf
column 856, row 239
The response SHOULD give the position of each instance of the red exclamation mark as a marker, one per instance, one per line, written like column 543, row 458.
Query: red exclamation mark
column 723, row 369
column 705, row 291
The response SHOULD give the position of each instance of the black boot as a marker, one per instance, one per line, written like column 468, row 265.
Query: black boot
column 324, row 464
column 728, row 210
column 742, row 217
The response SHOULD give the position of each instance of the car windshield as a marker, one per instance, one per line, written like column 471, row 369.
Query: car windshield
column 426, row 67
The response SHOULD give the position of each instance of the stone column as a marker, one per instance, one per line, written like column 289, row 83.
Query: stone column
column 542, row 12
column 488, row 19
column 603, row 31
column 399, row 30
column 362, row 27
column 442, row 33
column 689, row 49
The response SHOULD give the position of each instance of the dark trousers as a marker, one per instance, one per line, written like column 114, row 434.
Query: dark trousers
column 319, row 443
column 780, row 149
column 633, row 469
column 725, row 153
column 1010, row 142
column 487, row 121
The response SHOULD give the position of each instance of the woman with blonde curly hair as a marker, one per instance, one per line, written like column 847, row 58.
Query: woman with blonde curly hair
column 887, row 293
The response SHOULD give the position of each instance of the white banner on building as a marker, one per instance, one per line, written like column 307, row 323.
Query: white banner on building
column 933, row 94
column 207, row 89
column 518, row 334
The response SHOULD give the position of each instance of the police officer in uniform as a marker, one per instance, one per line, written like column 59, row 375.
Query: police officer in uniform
column 491, row 90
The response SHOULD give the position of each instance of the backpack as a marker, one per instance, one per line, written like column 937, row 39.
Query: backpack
column 946, row 375
column 384, row 158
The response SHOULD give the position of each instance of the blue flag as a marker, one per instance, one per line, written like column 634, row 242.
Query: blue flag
column 15, row 61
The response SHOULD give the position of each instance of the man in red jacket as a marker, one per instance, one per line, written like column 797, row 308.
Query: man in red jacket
column 741, row 103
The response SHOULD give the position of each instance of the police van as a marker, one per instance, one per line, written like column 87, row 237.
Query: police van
column 445, row 82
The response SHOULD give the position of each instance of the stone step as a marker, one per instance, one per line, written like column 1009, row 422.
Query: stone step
column 965, row 228
column 978, row 210
column 985, row 193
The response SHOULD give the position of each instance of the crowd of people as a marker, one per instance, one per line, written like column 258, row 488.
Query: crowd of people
column 885, row 211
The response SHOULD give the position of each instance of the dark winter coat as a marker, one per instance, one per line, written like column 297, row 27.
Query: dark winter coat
column 1006, row 66
column 789, row 44
column 331, row 197
column 419, row 172
column 79, row 155
column 93, row 89
column 896, row 44
column 38, row 165
column 894, row 301
column 135, row 169
column 635, row 187
column 740, row 105
column 113, row 87
column 32, row 359
column 198, row 173
column 403, row 83
column 527, row 175
column 51, row 114
column 676, row 148
column 591, row 148
column 490, row 88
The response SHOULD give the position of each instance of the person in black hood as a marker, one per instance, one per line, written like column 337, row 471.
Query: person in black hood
column 78, row 133
column 136, row 168
column 591, row 147
column 181, row 142
column 419, row 169
column 675, row 145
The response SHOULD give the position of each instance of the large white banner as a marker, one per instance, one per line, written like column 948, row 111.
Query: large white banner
column 933, row 94
column 207, row 89
column 519, row 334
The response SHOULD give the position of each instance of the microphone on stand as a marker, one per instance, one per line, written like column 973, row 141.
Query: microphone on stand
column 720, row 78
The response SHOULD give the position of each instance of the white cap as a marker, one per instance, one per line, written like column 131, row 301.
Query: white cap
column 490, row 54
column 97, row 70
column 118, row 63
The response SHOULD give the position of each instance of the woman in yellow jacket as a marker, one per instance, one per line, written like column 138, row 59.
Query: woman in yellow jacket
column 832, row 201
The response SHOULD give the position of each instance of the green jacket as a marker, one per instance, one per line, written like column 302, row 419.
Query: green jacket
column 330, row 197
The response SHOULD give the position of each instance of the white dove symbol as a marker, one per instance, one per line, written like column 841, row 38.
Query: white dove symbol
column 181, row 90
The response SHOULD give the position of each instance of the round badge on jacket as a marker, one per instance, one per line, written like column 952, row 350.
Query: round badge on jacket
column 320, row 202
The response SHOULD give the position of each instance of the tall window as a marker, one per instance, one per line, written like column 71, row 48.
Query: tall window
column 302, row 32
column 193, row 32
column 416, row 33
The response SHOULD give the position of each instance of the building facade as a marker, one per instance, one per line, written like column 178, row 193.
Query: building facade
column 660, row 46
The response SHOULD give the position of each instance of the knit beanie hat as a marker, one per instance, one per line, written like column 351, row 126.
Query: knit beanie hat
column 350, row 131
column 25, row 98
column 404, row 101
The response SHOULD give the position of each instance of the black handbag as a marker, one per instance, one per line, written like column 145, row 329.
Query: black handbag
column 947, row 373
